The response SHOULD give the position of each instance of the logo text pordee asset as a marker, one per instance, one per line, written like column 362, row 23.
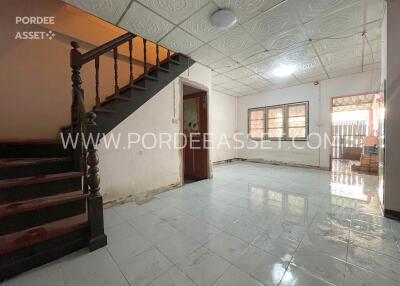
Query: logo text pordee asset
column 34, row 35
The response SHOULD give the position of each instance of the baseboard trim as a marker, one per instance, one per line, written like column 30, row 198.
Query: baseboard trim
column 392, row 214
column 277, row 163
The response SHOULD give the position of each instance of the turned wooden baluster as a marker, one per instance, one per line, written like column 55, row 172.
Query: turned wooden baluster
column 144, row 57
column 95, row 201
column 157, row 56
column 168, row 54
column 116, row 87
column 130, row 63
column 97, row 66
column 77, row 91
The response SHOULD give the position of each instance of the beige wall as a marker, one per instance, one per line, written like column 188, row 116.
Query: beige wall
column 35, row 74
column 136, row 171
column 223, row 126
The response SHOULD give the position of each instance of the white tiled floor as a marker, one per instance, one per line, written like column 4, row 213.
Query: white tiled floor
column 253, row 224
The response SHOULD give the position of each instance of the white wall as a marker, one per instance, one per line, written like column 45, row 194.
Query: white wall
column 136, row 171
column 222, row 126
column 319, row 98
column 392, row 138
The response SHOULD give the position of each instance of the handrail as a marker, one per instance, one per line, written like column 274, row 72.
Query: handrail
column 106, row 47
column 83, row 124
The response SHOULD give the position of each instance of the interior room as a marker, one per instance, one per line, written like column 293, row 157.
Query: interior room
column 199, row 142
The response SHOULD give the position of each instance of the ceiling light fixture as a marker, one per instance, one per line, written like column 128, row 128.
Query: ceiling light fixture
column 284, row 70
column 223, row 19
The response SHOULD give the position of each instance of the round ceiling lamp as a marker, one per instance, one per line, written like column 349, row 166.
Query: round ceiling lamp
column 223, row 19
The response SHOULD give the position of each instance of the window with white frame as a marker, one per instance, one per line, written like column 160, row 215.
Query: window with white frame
column 280, row 122
column 297, row 120
column 275, row 122
column 257, row 123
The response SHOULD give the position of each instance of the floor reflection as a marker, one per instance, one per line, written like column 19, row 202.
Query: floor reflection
column 352, row 185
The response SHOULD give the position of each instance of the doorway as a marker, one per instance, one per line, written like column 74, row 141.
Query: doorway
column 354, row 133
column 195, row 128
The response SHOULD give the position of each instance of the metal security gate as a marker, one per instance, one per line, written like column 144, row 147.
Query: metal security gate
column 348, row 139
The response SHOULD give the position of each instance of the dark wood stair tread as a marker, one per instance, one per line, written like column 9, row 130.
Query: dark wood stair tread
column 151, row 77
column 40, row 203
column 103, row 110
column 138, row 87
column 20, row 239
column 21, row 162
column 119, row 97
column 163, row 69
column 10, row 183
column 174, row 61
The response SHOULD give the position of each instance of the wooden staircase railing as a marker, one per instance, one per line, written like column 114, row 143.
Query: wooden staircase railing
column 83, row 123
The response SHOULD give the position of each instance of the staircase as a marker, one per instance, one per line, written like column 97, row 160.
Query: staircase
column 50, row 202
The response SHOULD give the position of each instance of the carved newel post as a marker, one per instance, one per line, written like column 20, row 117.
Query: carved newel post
column 95, row 201
column 76, row 128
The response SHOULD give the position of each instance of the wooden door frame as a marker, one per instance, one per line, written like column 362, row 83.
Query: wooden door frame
column 203, row 89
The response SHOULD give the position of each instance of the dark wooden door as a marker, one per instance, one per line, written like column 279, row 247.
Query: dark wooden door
column 195, row 129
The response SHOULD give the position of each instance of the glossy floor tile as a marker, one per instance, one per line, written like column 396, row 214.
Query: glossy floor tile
column 249, row 225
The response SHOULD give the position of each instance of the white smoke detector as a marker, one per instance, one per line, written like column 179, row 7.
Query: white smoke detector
column 223, row 19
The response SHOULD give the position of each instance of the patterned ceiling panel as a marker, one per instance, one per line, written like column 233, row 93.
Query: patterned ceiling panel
column 345, row 72
column 239, row 73
column 280, row 18
column 140, row 20
column 304, row 53
column 244, row 89
column 235, row 41
column 174, row 10
column 108, row 10
column 247, row 9
column 286, row 40
column 284, row 82
column 369, row 60
column 314, row 78
column 308, row 69
column 255, row 81
column 342, row 55
column 253, row 54
column 375, row 48
column 335, row 23
column 218, row 79
column 311, row 9
column 200, row 26
column 179, row 40
column 224, row 65
column 206, row 55
column 232, row 84
column 375, row 9
column 343, row 65
column 265, row 67
column 333, row 45
column 269, row 34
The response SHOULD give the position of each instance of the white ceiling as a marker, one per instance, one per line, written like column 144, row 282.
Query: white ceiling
column 321, row 38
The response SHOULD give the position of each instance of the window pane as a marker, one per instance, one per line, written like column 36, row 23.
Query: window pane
column 297, row 121
column 257, row 133
column 297, row 110
column 275, row 133
column 275, row 112
column 256, row 114
column 256, row 123
column 297, row 132
column 275, row 123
